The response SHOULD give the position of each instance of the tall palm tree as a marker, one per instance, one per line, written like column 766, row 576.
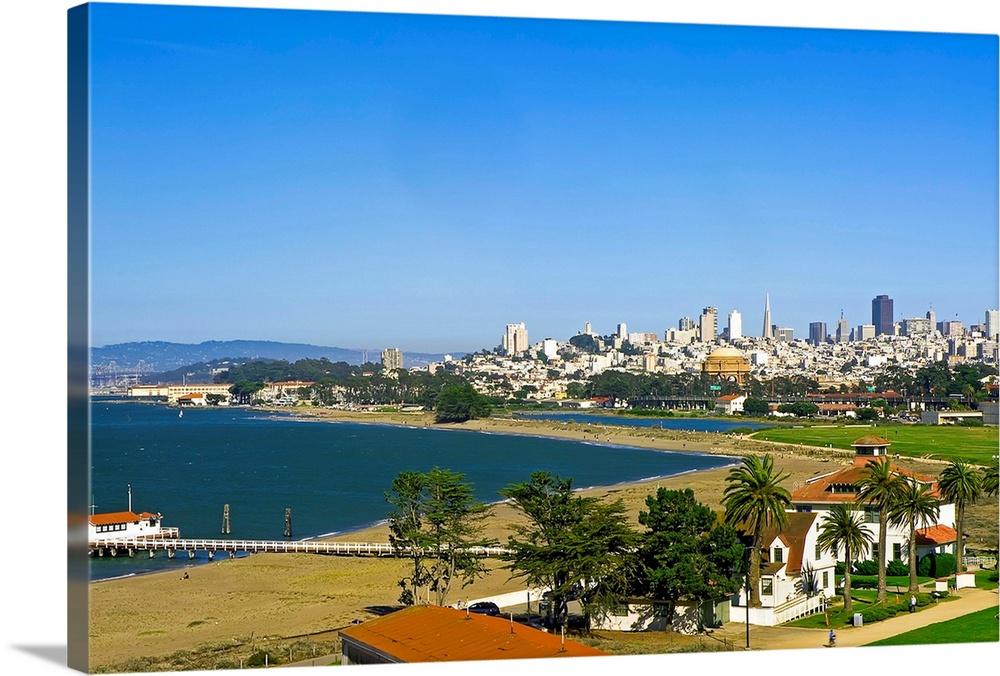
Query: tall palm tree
column 754, row 499
column 841, row 529
column 962, row 485
column 880, row 486
column 915, row 504
column 990, row 481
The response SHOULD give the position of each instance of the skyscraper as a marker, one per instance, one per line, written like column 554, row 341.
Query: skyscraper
column 709, row 324
column 817, row 333
column 768, row 331
column 392, row 359
column 992, row 324
column 882, row 315
column 843, row 332
column 515, row 339
column 735, row 325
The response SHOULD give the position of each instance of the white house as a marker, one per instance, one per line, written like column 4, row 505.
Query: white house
column 730, row 404
column 125, row 525
column 821, row 493
column 648, row 615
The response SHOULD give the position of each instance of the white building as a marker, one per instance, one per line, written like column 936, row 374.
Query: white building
column 550, row 348
column 992, row 324
column 392, row 359
column 735, row 325
column 515, row 339
column 708, row 324
column 730, row 404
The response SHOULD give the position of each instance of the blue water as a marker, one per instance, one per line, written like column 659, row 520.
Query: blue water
column 688, row 424
column 332, row 475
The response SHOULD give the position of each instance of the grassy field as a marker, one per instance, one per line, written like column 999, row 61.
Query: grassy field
column 943, row 442
column 978, row 627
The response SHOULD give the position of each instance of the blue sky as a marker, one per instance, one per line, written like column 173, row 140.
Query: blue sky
column 365, row 180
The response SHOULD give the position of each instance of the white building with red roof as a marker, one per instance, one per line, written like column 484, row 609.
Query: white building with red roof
column 821, row 493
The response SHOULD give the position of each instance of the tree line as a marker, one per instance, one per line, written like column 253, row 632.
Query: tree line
column 581, row 548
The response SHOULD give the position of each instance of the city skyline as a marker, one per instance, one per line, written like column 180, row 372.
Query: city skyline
column 421, row 181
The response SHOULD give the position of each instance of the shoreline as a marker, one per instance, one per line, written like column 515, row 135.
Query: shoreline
column 286, row 595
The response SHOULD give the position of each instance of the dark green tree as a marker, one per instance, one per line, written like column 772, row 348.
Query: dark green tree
column 570, row 541
column 754, row 498
column 459, row 402
column 686, row 554
column 990, row 480
column 434, row 521
column 754, row 406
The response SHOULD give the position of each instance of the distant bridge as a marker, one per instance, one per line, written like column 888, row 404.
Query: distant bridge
column 130, row 546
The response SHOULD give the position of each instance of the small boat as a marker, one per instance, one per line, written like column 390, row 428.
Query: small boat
column 180, row 414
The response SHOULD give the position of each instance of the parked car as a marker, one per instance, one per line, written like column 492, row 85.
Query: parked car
column 485, row 608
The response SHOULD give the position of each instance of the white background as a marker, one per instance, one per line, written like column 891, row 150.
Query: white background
column 34, row 311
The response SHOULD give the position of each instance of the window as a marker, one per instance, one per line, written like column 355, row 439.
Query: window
column 875, row 552
column 767, row 586
column 897, row 550
column 826, row 579
column 819, row 553
column 871, row 515
column 778, row 555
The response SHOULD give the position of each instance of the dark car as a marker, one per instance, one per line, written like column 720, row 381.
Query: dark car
column 485, row 608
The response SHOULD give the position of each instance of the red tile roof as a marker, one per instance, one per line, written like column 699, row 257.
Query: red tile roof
column 113, row 517
column 818, row 489
column 793, row 536
column 936, row 535
column 436, row 634
column 871, row 440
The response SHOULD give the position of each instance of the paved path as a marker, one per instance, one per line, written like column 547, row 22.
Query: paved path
column 787, row 638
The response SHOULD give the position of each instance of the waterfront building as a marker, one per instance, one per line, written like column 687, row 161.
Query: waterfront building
column 708, row 324
column 392, row 359
column 768, row 331
column 735, row 326
column 882, row 315
column 174, row 392
column 817, row 333
column 515, row 339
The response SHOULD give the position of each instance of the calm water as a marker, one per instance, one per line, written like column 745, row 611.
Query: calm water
column 333, row 476
column 689, row 424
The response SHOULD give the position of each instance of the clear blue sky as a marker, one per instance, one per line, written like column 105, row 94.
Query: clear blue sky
column 366, row 180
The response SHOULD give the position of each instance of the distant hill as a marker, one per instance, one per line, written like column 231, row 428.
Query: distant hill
column 160, row 356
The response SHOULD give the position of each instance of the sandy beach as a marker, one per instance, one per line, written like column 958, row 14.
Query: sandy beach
column 269, row 596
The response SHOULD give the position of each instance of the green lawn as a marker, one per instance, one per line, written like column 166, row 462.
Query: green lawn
column 972, row 444
column 978, row 627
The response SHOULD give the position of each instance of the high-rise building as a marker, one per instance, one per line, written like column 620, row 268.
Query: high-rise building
column 784, row 334
column 709, row 324
column 932, row 318
column 864, row 332
column 622, row 332
column 768, row 331
column 951, row 328
column 817, row 333
column 992, row 324
column 843, row 332
column 515, row 340
column 735, row 325
column 882, row 315
column 392, row 359
column 685, row 324
column 914, row 327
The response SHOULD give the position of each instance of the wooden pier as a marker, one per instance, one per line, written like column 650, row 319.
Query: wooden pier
column 131, row 546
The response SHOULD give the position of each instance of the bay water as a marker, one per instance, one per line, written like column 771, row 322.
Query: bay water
column 332, row 475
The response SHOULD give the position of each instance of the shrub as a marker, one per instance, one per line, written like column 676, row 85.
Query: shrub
column 897, row 568
column 869, row 567
column 258, row 658
column 936, row 565
column 838, row 569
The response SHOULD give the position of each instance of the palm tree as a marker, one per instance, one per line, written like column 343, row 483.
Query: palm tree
column 915, row 504
column 962, row 485
column 990, row 481
column 754, row 499
column 880, row 487
column 842, row 529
